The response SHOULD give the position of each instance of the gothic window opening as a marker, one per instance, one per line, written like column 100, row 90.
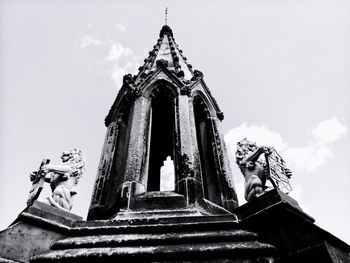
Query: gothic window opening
column 162, row 135
column 205, row 139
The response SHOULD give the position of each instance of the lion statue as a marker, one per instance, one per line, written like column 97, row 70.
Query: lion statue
column 253, row 167
column 63, row 178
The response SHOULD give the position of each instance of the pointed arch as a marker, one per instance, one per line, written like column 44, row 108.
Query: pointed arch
column 200, row 97
column 161, row 86
column 162, row 138
column 207, row 154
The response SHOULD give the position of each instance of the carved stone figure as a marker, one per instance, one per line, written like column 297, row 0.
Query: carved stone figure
column 62, row 178
column 252, row 161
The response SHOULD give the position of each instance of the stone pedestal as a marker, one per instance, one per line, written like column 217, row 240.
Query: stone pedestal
column 33, row 232
column 159, row 239
column 278, row 220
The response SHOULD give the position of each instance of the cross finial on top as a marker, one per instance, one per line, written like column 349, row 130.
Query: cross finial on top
column 166, row 15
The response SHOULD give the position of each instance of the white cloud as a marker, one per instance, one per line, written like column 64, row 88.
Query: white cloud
column 124, row 62
column 120, row 27
column 89, row 41
column 90, row 25
column 319, row 150
column 117, row 51
column 310, row 157
column 329, row 130
column 259, row 134
column 119, row 61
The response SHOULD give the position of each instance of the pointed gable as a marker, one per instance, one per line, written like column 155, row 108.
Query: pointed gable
column 165, row 58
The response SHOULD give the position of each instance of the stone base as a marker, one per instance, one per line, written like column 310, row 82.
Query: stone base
column 167, row 204
column 183, row 239
column 33, row 232
column 45, row 234
column 278, row 220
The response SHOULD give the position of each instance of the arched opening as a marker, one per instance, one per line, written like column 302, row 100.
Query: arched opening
column 205, row 138
column 162, row 134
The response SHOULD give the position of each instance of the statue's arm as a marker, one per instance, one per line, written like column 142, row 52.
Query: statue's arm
column 254, row 156
column 61, row 169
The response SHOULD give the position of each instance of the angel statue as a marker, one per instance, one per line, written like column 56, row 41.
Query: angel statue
column 259, row 164
column 62, row 178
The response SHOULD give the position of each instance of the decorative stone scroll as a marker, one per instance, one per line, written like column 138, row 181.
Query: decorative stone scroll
column 62, row 178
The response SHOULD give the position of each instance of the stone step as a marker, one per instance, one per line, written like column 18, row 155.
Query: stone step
column 126, row 215
column 183, row 252
column 154, row 239
column 158, row 200
column 155, row 225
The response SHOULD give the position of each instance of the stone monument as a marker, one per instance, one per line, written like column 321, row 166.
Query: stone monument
column 166, row 112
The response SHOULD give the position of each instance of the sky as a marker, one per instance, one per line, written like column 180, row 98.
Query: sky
column 279, row 71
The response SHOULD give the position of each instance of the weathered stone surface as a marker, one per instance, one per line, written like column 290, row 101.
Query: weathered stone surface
column 33, row 231
column 192, row 239
column 158, row 200
column 138, row 142
column 5, row 260
column 278, row 220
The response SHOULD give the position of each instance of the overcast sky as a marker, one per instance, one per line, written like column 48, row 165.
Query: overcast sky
column 279, row 70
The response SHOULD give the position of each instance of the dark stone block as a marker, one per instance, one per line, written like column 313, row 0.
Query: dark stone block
column 191, row 189
column 321, row 253
column 268, row 200
column 162, row 63
column 158, row 200
column 34, row 230
column 166, row 30
column 220, row 115
column 278, row 220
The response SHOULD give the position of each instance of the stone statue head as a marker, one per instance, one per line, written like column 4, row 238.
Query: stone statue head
column 243, row 148
column 74, row 158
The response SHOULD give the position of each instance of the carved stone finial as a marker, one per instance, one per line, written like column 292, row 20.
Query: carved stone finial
column 62, row 178
column 127, row 79
column 220, row 115
column 180, row 74
column 185, row 90
column 197, row 75
column 136, row 92
column 166, row 30
column 259, row 164
column 162, row 63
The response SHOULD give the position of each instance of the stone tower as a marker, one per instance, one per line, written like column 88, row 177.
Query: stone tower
column 142, row 211
column 166, row 110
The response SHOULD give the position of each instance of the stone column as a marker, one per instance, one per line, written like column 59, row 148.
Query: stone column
column 135, row 172
column 229, row 196
column 104, row 170
column 188, row 178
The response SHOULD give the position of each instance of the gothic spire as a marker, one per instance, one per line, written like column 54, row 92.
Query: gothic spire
column 166, row 51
